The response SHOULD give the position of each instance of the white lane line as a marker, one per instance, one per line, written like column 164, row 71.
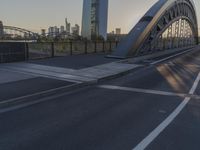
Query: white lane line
column 161, row 60
column 37, row 94
column 157, row 131
column 147, row 91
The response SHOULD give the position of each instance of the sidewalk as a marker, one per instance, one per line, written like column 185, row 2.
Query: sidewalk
column 78, row 69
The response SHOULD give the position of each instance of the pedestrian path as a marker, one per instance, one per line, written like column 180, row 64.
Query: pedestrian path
column 90, row 74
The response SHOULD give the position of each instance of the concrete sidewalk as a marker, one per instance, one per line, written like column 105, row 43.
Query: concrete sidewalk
column 90, row 74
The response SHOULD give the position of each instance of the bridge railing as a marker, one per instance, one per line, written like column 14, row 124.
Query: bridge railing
column 38, row 50
column 12, row 51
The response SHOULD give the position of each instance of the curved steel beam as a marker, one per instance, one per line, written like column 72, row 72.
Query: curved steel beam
column 136, row 38
column 19, row 29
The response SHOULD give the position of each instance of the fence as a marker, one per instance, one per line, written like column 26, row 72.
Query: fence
column 12, row 51
column 38, row 50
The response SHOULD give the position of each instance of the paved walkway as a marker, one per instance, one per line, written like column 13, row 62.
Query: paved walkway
column 79, row 69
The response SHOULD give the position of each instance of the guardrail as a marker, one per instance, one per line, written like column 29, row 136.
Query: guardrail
column 12, row 51
column 20, row 51
column 37, row 50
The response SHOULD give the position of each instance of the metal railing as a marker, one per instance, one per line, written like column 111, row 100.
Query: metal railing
column 12, row 51
column 38, row 50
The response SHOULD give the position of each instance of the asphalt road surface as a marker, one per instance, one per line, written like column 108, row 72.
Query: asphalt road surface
column 156, row 107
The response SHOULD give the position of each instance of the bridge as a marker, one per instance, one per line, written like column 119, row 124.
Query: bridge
column 11, row 32
column 93, row 102
column 169, row 24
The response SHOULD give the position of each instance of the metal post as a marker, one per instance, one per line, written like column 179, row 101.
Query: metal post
column 169, row 37
column 103, row 46
column 177, row 34
column 110, row 48
column 71, row 48
column 117, row 42
column 86, row 47
column 52, row 50
column 182, row 32
column 26, row 51
column 95, row 46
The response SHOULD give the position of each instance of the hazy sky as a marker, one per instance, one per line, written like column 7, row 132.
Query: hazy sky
column 38, row 14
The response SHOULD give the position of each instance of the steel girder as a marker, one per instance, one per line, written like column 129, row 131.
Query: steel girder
column 30, row 33
column 147, row 33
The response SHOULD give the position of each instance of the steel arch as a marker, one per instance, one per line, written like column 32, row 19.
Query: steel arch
column 159, row 17
column 30, row 33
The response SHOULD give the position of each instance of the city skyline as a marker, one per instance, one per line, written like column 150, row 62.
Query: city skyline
column 36, row 15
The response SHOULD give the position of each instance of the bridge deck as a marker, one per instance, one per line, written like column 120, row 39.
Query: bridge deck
column 111, row 115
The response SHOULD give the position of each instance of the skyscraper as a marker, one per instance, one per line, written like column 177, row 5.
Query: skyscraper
column 76, row 30
column 94, row 19
column 68, row 26
column 62, row 29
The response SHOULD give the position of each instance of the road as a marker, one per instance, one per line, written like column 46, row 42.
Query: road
column 155, row 107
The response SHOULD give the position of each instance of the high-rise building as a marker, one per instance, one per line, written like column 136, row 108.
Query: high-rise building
column 94, row 19
column 76, row 30
column 118, row 31
column 51, row 31
column 43, row 32
column 68, row 26
column 1, row 30
column 62, row 29
column 56, row 31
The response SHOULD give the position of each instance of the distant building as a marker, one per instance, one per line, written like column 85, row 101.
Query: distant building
column 112, row 32
column 68, row 26
column 62, row 29
column 118, row 31
column 43, row 32
column 56, row 31
column 76, row 30
column 51, row 31
column 1, row 30
column 94, row 19
column 115, row 37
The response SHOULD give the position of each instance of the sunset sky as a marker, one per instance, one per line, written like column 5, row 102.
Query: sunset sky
column 38, row 14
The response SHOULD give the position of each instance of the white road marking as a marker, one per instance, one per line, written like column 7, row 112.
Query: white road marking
column 157, row 131
column 147, row 91
column 36, row 94
column 161, row 60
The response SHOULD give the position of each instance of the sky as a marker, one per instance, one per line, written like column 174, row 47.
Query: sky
column 37, row 14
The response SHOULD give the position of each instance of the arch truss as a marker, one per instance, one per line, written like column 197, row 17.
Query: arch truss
column 169, row 24
column 11, row 32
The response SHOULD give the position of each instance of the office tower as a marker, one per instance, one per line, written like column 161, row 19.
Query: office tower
column 118, row 31
column 1, row 30
column 43, row 32
column 56, row 31
column 94, row 19
column 62, row 29
column 68, row 26
column 51, row 31
column 76, row 30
